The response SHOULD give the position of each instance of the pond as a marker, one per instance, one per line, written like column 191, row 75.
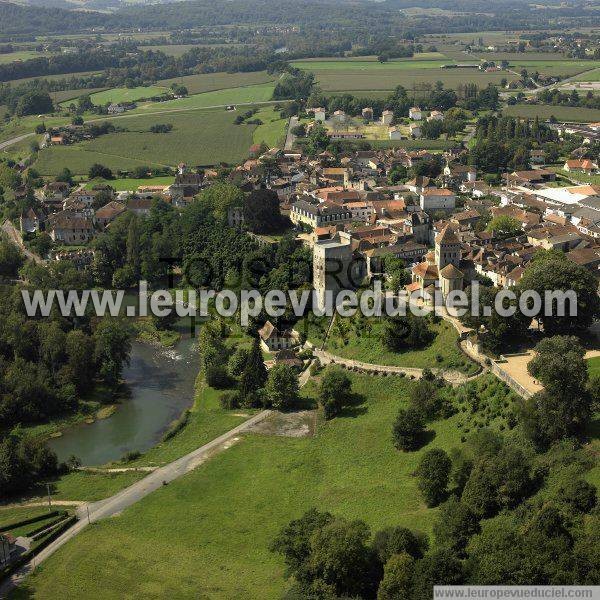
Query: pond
column 161, row 381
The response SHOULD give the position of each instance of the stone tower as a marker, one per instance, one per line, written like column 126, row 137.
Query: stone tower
column 447, row 248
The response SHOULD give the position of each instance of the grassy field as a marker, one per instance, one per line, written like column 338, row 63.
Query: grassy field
column 273, row 130
column 366, row 346
column 208, row 82
column 126, row 94
column 562, row 113
column 21, row 55
column 563, row 68
column 594, row 365
column 243, row 95
column 588, row 76
column 65, row 95
column 126, row 184
column 79, row 158
column 198, row 138
column 367, row 76
column 226, row 512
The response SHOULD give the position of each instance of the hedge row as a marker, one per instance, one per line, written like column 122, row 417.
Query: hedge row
column 31, row 520
column 27, row 556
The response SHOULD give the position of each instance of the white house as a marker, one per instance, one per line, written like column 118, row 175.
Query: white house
column 319, row 114
column 415, row 130
column 435, row 115
column 415, row 113
column 387, row 116
column 340, row 116
column 273, row 339
column 394, row 133
column 432, row 198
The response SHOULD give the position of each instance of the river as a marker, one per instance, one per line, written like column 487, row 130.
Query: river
column 161, row 381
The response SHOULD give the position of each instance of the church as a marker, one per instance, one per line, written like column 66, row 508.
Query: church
column 440, row 269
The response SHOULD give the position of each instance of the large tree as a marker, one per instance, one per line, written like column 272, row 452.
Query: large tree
column 433, row 475
column 553, row 271
column 262, row 213
column 281, row 389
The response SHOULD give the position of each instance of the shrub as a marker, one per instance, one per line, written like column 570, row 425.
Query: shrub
column 230, row 399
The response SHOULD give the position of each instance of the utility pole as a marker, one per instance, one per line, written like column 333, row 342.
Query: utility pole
column 87, row 508
column 49, row 499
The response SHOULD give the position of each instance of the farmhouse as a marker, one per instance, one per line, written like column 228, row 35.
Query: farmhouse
column 581, row 166
column 395, row 133
column 387, row 116
column 273, row 339
column 67, row 228
column 415, row 130
column 109, row 212
column 415, row 113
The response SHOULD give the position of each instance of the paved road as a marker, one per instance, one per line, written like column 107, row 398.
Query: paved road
column 14, row 235
column 15, row 140
column 116, row 504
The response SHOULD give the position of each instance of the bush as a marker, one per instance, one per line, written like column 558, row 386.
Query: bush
column 230, row 399
column 217, row 377
column 408, row 429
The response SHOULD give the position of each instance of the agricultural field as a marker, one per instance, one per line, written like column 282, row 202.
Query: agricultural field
column 588, row 76
column 117, row 95
column 198, row 138
column 561, row 68
column 208, row 82
column 20, row 55
column 65, row 95
column 78, row 158
column 242, row 95
column 127, row 184
column 228, row 506
column 365, row 76
column 562, row 113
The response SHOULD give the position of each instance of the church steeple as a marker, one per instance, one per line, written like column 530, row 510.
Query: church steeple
column 447, row 248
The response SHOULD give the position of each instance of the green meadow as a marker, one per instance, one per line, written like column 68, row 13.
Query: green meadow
column 226, row 512
column 204, row 137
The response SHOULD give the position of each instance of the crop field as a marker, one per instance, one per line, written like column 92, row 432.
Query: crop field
column 197, row 138
column 361, row 76
column 66, row 95
column 117, row 95
column 562, row 113
column 588, row 76
column 227, row 505
column 208, row 82
column 367, row 65
column 20, row 55
column 562, row 68
column 381, row 80
column 243, row 95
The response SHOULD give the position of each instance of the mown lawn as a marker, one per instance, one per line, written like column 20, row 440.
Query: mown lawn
column 207, row 535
